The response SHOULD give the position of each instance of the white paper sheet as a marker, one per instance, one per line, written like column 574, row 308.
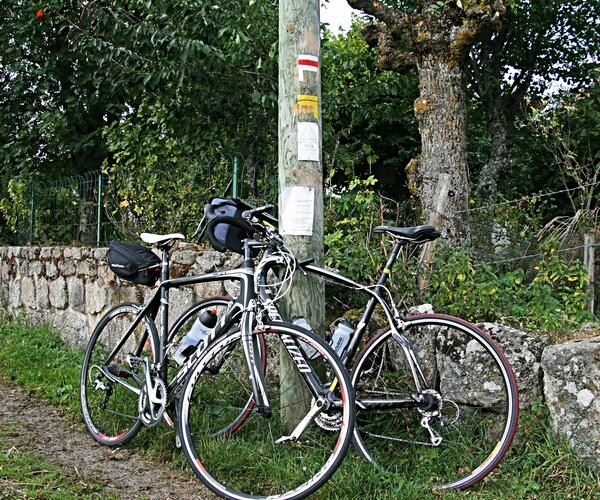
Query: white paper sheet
column 298, row 211
column 308, row 141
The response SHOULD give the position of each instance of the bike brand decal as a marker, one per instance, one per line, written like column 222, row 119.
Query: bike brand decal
column 307, row 63
column 295, row 353
column 273, row 312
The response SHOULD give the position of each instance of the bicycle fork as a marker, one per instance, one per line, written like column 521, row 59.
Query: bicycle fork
column 255, row 373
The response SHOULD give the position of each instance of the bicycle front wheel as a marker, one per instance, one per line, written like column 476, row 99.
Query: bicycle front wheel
column 110, row 383
column 452, row 430
column 220, row 306
column 257, row 460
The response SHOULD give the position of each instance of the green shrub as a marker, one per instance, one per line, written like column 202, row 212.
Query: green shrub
column 552, row 297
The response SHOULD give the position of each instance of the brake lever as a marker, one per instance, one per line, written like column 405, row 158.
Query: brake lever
column 248, row 214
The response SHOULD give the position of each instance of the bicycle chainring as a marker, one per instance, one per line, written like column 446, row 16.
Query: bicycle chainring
column 331, row 422
column 151, row 410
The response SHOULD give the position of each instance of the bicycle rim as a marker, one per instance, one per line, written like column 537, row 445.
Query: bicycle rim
column 109, row 408
column 470, row 395
column 251, row 463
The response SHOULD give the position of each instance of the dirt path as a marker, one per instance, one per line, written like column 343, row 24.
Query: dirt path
column 38, row 428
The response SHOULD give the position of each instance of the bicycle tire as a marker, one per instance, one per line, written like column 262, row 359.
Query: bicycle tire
column 255, row 465
column 452, row 352
column 184, row 323
column 110, row 410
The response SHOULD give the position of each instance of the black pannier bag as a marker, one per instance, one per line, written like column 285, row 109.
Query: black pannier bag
column 133, row 262
column 225, row 237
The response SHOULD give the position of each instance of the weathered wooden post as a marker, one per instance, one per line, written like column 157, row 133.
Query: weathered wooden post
column 589, row 262
column 300, row 173
column 436, row 220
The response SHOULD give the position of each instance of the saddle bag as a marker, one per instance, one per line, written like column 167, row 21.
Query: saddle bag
column 133, row 262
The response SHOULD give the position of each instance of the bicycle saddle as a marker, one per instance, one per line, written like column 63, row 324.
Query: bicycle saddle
column 153, row 239
column 417, row 234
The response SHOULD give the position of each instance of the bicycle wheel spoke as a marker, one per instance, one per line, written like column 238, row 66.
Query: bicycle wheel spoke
column 270, row 467
column 108, row 401
column 466, row 413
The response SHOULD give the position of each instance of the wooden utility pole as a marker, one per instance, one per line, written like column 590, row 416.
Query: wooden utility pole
column 300, row 174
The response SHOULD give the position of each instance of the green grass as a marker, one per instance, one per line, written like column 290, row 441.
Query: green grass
column 24, row 475
column 538, row 466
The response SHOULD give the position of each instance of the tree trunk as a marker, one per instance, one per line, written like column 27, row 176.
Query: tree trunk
column 441, row 110
column 497, row 166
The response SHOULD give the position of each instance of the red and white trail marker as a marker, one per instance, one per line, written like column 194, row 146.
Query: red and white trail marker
column 307, row 63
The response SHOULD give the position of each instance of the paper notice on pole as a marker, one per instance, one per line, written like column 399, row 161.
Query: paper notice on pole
column 308, row 141
column 298, row 211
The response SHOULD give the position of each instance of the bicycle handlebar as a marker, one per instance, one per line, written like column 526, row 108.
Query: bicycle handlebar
column 248, row 214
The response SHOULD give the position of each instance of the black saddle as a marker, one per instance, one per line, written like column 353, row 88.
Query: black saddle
column 417, row 234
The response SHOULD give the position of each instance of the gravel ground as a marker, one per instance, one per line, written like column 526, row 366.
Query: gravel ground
column 38, row 428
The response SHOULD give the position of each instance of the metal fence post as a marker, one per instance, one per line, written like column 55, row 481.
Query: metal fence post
column 99, row 218
column 234, row 185
column 32, row 216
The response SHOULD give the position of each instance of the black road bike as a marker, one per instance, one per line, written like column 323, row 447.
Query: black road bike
column 436, row 397
column 248, row 428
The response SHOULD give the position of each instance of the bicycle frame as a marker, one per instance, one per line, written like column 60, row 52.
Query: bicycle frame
column 375, row 297
column 242, row 311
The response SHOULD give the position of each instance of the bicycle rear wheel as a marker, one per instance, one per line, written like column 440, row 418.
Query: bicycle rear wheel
column 108, row 384
column 251, row 463
column 469, row 400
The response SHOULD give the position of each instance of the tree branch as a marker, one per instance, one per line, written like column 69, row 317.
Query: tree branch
column 379, row 11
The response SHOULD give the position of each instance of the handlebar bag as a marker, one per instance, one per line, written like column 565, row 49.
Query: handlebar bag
column 226, row 236
column 133, row 262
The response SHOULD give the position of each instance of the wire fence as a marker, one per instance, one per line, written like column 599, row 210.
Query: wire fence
column 96, row 207
column 93, row 208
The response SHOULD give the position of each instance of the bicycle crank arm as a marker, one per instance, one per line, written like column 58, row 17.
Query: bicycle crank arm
column 316, row 408
column 117, row 380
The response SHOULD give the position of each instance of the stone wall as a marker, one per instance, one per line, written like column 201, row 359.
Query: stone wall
column 71, row 287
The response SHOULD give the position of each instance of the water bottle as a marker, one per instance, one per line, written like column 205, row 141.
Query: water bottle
column 201, row 329
column 341, row 336
column 310, row 352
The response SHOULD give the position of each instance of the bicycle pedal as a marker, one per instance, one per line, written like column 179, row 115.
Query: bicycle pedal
column 134, row 360
column 177, row 441
column 168, row 420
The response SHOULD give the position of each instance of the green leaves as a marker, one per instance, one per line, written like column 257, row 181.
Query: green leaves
column 553, row 298
column 368, row 123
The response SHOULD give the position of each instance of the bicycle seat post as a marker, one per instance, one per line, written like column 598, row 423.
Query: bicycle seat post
column 165, row 253
column 387, row 270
